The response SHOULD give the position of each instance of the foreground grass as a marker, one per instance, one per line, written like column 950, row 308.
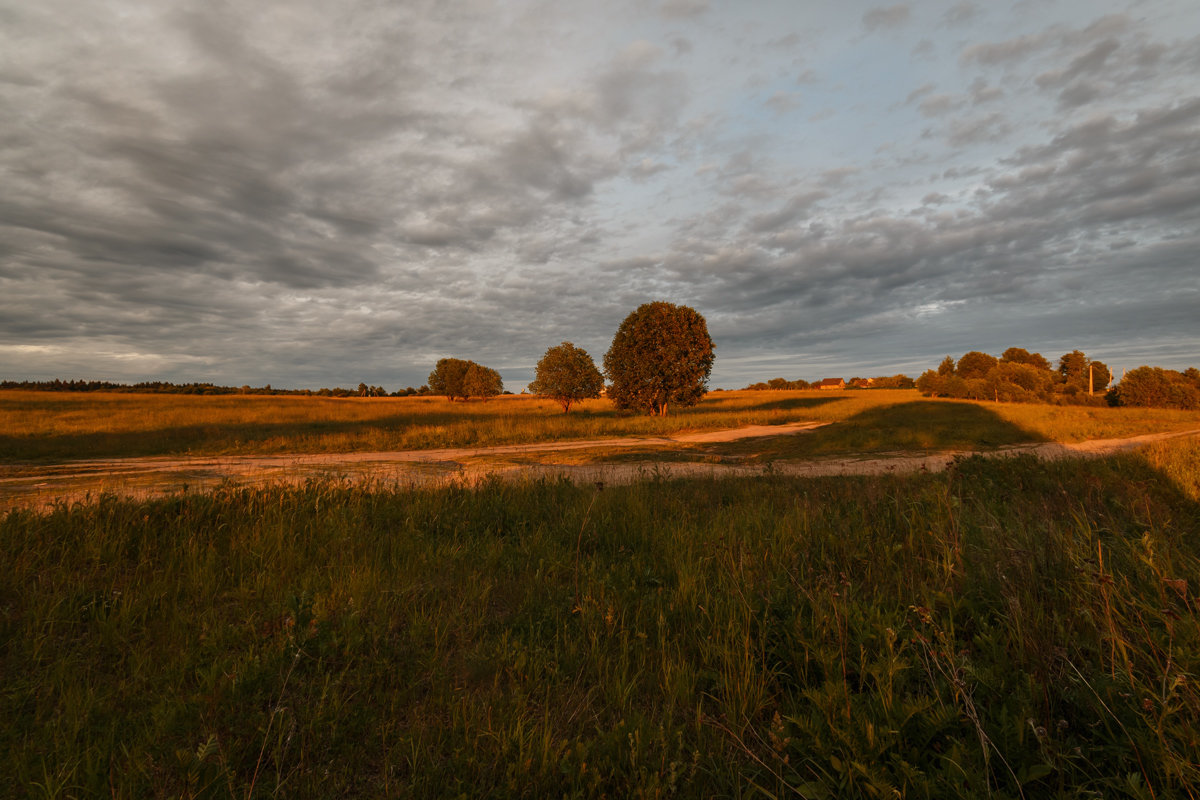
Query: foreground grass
column 1010, row 627
column 49, row 427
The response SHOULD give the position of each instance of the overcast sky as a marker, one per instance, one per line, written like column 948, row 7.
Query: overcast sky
column 321, row 193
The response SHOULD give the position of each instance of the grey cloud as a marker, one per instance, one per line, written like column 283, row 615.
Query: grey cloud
column 961, row 13
column 884, row 17
column 783, row 102
column 682, row 9
column 837, row 176
column 966, row 131
column 647, row 168
column 681, row 46
column 992, row 53
column 982, row 93
column 795, row 208
column 939, row 104
column 1088, row 62
column 919, row 92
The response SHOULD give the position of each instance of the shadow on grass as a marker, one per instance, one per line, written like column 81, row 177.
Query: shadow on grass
column 922, row 426
column 221, row 437
column 793, row 403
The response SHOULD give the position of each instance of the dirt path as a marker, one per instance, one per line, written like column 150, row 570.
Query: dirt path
column 42, row 486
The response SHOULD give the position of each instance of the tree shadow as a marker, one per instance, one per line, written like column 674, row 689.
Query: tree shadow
column 221, row 438
column 920, row 426
column 793, row 403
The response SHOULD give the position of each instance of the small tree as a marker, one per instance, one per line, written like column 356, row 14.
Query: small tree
column 661, row 354
column 567, row 374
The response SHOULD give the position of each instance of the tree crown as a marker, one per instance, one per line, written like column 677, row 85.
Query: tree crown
column 567, row 374
column 661, row 354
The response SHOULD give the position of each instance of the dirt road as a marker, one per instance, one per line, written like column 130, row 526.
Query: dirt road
column 42, row 486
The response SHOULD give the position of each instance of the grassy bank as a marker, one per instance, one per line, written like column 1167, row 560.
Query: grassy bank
column 48, row 426
column 1008, row 627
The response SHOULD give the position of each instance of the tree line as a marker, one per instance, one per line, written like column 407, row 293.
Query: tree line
column 881, row 382
column 1023, row 377
column 166, row 387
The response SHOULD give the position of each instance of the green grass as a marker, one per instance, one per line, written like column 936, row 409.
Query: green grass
column 1009, row 627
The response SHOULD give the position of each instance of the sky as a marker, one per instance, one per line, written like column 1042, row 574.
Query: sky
column 316, row 194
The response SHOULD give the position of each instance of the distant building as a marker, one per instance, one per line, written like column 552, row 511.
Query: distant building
column 831, row 383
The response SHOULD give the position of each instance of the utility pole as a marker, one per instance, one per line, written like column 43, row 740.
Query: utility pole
column 1090, row 392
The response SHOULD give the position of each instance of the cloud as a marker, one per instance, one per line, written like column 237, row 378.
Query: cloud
column 886, row 17
column 247, row 195
column 683, row 9
column 919, row 92
column 939, row 104
column 783, row 102
column 967, row 131
column 961, row 13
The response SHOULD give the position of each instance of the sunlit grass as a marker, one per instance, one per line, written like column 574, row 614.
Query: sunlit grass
column 42, row 426
column 1009, row 627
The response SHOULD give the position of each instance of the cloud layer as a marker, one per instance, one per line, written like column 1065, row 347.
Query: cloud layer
column 307, row 194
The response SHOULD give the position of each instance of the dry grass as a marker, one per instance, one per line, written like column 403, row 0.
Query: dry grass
column 44, row 426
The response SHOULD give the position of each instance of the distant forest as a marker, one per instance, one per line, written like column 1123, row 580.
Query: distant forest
column 882, row 382
column 166, row 387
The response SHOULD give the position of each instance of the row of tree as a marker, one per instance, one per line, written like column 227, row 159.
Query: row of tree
column 1019, row 376
column 144, row 387
column 166, row 387
column 660, row 356
column 881, row 382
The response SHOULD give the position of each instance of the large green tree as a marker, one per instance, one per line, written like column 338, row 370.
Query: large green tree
column 1019, row 355
column 1083, row 373
column 567, row 374
column 975, row 365
column 1156, row 388
column 661, row 355
column 459, row 379
column 481, row 381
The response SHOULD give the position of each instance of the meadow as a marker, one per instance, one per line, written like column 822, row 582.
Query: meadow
column 1009, row 628
column 48, row 426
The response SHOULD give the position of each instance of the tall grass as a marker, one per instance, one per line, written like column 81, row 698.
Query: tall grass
column 47, row 426
column 1008, row 628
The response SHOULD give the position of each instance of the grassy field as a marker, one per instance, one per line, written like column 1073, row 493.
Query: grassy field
column 48, row 427
column 1009, row 628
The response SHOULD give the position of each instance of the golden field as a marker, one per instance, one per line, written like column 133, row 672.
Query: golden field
column 49, row 426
